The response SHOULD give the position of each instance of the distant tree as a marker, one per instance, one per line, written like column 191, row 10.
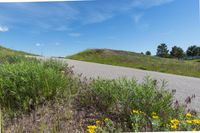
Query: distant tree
column 197, row 51
column 162, row 50
column 192, row 51
column 177, row 52
column 148, row 53
column 142, row 53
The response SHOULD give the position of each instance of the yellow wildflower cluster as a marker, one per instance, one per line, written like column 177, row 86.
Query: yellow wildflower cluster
column 174, row 123
column 188, row 121
column 154, row 115
column 137, row 112
column 91, row 128
column 196, row 122
column 188, row 115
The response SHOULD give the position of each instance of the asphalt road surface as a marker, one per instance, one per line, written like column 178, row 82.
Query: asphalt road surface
column 184, row 86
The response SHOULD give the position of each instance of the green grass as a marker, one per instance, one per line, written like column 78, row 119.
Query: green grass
column 9, row 52
column 26, row 84
column 135, row 60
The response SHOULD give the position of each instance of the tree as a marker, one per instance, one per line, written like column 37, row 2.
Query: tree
column 148, row 53
column 197, row 51
column 162, row 50
column 177, row 52
column 191, row 51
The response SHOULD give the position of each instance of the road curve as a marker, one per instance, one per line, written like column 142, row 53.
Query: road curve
column 184, row 86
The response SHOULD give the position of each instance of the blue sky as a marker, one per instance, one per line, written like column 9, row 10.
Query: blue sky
column 65, row 28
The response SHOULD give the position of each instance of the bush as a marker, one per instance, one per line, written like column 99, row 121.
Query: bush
column 121, row 96
column 25, row 84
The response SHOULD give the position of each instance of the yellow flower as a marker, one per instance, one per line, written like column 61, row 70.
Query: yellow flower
column 189, row 121
column 91, row 128
column 135, row 111
column 175, row 121
column 155, row 117
column 188, row 115
column 174, row 126
column 106, row 119
column 97, row 122
column 196, row 122
column 153, row 113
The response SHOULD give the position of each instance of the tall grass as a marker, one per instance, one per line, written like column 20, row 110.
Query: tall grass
column 25, row 84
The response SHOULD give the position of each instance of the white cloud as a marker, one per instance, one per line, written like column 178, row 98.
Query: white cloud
column 148, row 3
column 4, row 29
column 38, row 44
column 74, row 34
column 97, row 17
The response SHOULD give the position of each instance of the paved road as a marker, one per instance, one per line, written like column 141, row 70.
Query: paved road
column 185, row 86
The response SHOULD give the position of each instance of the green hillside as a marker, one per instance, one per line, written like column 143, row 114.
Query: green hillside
column 136, row 60
column 9, row 52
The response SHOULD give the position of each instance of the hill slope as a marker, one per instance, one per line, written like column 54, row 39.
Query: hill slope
column 9, row 52
column 135, row 60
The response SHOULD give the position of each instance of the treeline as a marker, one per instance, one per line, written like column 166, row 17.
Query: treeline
column 176, row 52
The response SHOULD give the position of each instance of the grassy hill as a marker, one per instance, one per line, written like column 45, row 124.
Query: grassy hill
column 136, row 60
column 9, row 52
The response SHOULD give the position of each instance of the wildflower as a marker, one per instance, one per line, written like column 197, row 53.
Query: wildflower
column 155, row 117
column 188, row 115
column 196, row 121
column 135, row 111
column 173, row 126
column 153, row 113
column 97, row 122
column 106, row 119
column 175, row 121
column 91, row 128
column 189, row 121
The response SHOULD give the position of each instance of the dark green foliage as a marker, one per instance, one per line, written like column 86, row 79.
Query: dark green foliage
column 193, row 51
column 162, row 50
column 148, row 53
column 177, row 52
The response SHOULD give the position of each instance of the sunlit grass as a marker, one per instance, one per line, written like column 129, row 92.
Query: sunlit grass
column 134, row 60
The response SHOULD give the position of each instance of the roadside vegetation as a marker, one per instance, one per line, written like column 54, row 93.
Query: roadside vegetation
column 45, row 96
column 140, row 61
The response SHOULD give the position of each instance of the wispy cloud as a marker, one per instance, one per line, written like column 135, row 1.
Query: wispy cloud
column 74, row 34
column 63, row 16
column 4, row 29
column 148, row 3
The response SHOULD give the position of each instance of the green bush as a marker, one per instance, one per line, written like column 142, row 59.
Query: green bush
column 25, row 84
column 125, row 94
column 121, row 96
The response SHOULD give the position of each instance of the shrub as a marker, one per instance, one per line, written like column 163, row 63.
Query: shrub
column 121, row 96
column 25, row 84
